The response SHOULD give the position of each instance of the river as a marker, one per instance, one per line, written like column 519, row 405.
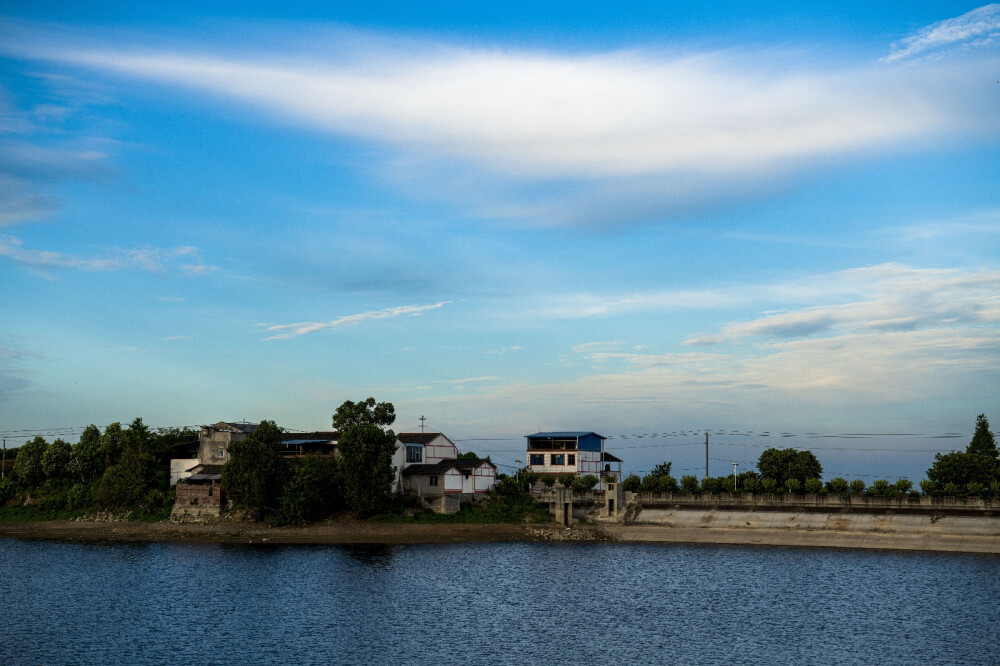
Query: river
column 509, row 603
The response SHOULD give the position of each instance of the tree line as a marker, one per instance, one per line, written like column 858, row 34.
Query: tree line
column 974, row 472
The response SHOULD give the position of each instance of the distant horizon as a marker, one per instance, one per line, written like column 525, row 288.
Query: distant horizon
column 630, row 219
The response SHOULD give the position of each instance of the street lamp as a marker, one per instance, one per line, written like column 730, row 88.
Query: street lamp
column 735, row 467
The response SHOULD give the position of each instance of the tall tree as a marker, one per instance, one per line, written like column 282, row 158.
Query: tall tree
column 55, row 460
column 255, row 475
column 977, row 464
column 366, row 447
column 784, row 464
column 983, row 441
column 86, row 454
column 28, row 464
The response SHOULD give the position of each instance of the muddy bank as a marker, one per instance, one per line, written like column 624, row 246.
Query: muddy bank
column 360, row 532
column 944, row 543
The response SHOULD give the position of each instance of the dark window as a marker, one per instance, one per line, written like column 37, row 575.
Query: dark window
column 433, row 481
column 570, row 459
column 558, row 458
column 537, row 459
column 414, row 454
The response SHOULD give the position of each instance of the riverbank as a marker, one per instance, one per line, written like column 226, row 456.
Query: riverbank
column 373, row 532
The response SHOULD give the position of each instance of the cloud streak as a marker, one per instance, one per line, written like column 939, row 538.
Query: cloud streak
column 650, row 129
column 286, row 331
column 977, row 27
column 154, row 260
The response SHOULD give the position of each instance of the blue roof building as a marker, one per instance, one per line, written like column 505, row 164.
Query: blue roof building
column 571, row 452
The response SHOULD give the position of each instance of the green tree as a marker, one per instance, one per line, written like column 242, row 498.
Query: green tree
column 837, row 486
column 632, row 483
column 311, row 492
column 28, row 464
column 366, row 447
column 689, row 483
column 784, row 464
column 469, row 454
column 255, row 475
column 85, row 456
column 977, row 464
column 857, row 486
column 661, row 470
column 983, row 442
column 55, row 460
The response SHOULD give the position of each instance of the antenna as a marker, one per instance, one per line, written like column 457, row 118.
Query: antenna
column 422, row 419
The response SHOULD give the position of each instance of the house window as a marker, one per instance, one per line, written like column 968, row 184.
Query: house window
column 558, row 459
column 414, row 454
column 537, row 459
column 222, row 453
column 433, row 481
column 571, row 459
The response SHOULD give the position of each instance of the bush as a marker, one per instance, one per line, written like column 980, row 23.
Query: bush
column 751, row 485
column 567, row 479
column 813, row 486
column 857, row 486
column 975, row 489
column 632, row 483
column 995, row 488
column 769, row 485
column 837, row 486
column 794, row 486
column 928, row 487
column 584, row 483
column 952, row 489
column 549, row 480
column 689, row 483
column 80, row 496
column 880, row 488
column 903, row 486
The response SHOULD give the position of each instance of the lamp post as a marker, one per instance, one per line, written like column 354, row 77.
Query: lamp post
column 735, row 467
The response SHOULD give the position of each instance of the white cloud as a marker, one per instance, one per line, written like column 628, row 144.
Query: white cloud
column 889, row 297
column 156, row 260
column 628, row 134
column 303, row 328
column 468, row 380
column 977, row 27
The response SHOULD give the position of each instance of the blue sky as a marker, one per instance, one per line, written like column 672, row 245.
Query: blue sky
column 630, row 219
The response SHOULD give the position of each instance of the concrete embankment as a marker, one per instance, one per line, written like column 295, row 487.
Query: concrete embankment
column 950, row 525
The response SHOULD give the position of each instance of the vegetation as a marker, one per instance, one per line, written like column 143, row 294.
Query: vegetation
column 784, row 464
column 366, row 447
column 952, row 473
column 254, row 477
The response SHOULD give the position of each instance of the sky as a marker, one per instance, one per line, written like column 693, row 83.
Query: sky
column 775, row 222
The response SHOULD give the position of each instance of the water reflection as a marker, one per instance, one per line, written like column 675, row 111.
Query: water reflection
column 373, row 555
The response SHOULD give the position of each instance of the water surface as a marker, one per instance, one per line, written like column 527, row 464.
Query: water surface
column 492, row 603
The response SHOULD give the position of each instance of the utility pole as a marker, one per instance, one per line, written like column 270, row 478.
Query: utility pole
column 706, row 454
column 3, row 467
column 422, row 419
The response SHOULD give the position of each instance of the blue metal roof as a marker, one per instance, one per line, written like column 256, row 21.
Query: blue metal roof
column 564, row 434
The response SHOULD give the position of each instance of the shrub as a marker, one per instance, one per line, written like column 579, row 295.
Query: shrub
column 689, row 483
column 857, row 486
column 79, row 496
column 566, row 479
column 794, row 486
column 903, row 486
column 952, row 489
column 751, row 485
column 667, row 484
column 975, row 489
column 928, row 487
column 813, row 486
column 838, row 486
column 880, row 488
column 995, row 488
column 769, row 485
column 584, row 483
column 632, row 483
column 549, row 480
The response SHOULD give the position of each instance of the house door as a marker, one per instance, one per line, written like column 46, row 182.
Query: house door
column 611, row 507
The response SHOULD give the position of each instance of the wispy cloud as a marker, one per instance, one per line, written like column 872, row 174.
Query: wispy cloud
column 977, row 27
column 504, row 350
column 171, row 338
column 155, row 260
column 662, row 131
column 469, row 380
column 890, row 297
column 302, row 328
